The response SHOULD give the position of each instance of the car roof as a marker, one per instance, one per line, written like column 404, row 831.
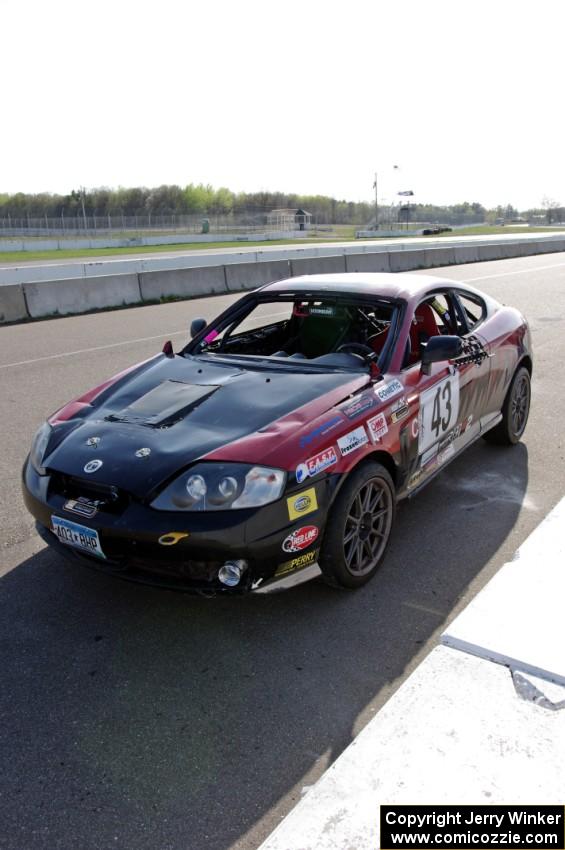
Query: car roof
column 407, row 287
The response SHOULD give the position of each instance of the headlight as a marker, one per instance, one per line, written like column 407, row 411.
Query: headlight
column 222, row 487
column 39, row 446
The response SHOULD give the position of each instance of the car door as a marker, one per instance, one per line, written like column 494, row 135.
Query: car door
column 446, row 401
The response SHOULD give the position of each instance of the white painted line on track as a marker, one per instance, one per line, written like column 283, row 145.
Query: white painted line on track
column 89, row 350
column 516, row 271
column 165, row 335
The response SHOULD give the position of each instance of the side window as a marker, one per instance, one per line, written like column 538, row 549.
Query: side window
column 474, row 310
column 433, row 317
column 443, row 311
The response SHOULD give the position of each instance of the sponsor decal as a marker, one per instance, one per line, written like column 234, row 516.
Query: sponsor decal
column 81, row 506
column 377, row 427
column 172, row 537
column 352, row 441
column 456, row 433
column 93, row 441
column 320, row 431
column 144, row 452
column 424, row 470
column 429, row 454
column 300, row 539
column 439, row 411
column 446, row 454
column 302, row 503
column 316, row 464
column 297, row 563
column 414, row 427
column 92, row 466
column 358, row 406
column 387, row 391
column 399, row 409
column 322, row 311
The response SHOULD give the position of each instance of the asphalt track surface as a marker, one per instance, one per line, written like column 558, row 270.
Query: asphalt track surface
column 140, row 719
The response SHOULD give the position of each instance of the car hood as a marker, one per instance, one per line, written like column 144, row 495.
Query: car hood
column 173, row 411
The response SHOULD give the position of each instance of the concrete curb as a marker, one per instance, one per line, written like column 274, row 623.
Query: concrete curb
column 460, row 730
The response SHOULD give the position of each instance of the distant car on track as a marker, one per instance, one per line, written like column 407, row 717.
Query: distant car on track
column 276, row 443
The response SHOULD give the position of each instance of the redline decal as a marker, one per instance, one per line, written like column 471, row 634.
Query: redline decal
column 300, row 539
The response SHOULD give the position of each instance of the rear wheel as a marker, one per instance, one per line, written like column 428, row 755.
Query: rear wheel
column 358, row 528
column 515, row 411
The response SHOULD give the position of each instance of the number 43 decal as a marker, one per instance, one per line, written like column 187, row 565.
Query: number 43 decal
column 439, row 409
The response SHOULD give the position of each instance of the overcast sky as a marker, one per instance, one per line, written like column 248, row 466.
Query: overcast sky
column 308, row 96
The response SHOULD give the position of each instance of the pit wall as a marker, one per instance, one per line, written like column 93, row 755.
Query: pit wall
column 134, row 282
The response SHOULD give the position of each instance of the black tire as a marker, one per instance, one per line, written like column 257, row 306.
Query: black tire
column 515, row 411
column 358, row 527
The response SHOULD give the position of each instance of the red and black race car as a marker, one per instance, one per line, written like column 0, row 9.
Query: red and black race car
column 276, row 444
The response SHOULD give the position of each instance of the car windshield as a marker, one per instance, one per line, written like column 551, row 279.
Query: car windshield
column 296, row 332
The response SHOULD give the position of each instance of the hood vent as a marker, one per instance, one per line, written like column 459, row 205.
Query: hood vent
column 164, row 405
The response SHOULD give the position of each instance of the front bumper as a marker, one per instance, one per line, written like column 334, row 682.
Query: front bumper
column 129, row 534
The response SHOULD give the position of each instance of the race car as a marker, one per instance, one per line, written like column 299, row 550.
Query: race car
column 275, row 445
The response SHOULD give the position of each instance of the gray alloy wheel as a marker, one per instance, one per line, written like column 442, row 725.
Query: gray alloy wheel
column 515, row 411
column 358, row 527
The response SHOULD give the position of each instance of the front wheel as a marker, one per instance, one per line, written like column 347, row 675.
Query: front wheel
column 358, row 528
column 515, row 411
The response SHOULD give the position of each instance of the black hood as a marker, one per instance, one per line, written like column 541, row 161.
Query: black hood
column 179, row 408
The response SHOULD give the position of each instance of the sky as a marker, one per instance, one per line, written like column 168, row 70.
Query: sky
column 465, row 97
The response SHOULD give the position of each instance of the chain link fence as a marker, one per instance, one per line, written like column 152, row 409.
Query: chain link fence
column 109, row 225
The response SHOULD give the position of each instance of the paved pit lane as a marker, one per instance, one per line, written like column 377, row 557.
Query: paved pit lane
column 133, row 717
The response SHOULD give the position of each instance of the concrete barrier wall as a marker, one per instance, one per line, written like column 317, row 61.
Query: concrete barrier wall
column 405, row 261
column 182, row 283
column 373, row 262
column 466, row 254
column 242, row 276
column 138, row 281
column 436, row 257
column 318, row 265
column 78, row 296
column 12, row 303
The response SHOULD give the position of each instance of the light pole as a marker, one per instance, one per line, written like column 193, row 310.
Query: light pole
column 82, row 194
column 376, row 202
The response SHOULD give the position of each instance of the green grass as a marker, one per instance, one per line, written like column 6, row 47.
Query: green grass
column 341, row 233
column 65, row 254
column 486, row 230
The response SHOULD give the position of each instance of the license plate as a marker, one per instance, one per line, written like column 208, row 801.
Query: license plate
column 79, row 536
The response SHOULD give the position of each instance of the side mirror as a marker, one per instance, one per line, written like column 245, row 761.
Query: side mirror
column 196, row 326
column 440, row 348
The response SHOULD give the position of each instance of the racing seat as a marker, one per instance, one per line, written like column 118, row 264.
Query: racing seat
column 423, row 327
column 320, row 334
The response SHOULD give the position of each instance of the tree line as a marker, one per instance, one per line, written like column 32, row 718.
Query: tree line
column 200, row 199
